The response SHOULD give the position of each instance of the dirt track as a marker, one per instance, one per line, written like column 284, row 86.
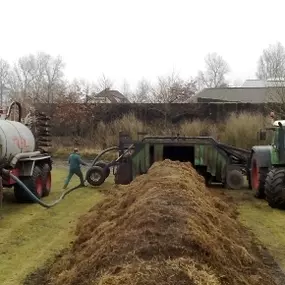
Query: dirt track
column 164, row 228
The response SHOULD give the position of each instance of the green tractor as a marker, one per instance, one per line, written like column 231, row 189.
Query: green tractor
column 266, row 173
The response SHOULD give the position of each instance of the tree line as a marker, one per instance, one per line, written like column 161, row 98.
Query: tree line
column 39, row 78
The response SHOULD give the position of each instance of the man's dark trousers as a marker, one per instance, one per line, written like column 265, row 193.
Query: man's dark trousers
column 77, row 172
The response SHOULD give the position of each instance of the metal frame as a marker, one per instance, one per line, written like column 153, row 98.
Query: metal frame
column 235, row 158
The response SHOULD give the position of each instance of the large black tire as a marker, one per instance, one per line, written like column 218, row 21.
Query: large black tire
column 46, row 176
column 275, row 190
column 103, row 165
column 268, row 181
column 35, row 185
column 234, row 180
column 95, row 176
column 257, row 177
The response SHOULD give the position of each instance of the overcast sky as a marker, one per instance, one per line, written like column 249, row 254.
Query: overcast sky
column 131, row 39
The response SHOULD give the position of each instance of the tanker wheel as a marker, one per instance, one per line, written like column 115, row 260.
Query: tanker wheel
column 234, row 180
column 95, row 176
column 103, row 165
column 34, row 184
column 275, row 190
column 46, row 177
column 257, row 177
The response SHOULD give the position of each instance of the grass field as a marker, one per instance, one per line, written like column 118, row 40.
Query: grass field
column 267, row 224
column 31, row 234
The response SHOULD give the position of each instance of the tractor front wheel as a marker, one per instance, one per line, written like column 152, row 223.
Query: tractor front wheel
column 257, row 177
column 274, row 189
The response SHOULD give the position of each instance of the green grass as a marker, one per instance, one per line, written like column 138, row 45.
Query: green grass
column 267, row 224
column 31, row 234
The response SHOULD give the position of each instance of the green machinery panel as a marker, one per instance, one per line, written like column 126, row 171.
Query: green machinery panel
column 206, row 155
column 212, row 158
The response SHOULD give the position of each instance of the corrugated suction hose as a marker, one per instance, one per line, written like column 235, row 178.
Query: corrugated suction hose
column 35, row 198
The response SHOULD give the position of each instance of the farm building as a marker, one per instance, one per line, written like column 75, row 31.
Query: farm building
column 252, row 91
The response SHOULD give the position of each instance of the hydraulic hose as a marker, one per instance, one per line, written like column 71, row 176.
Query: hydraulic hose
column 35, row 198
column 103, row 152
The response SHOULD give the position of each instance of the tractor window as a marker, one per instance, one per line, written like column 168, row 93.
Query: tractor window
column 275, row 138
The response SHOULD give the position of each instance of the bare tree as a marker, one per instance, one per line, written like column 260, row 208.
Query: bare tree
column 4, row 77
column 271, row 69
column 271, row 64
column 214, row 75
column 104, row 83
column 24, row 74
column 83, row 89
column 73, row 93
column 143, row 92
column 53, row 73
column 173, row 89
column 126, row 89
column 37, row 78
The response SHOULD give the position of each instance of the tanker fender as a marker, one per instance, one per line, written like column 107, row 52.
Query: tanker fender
column 263, row 153
column 28, row 165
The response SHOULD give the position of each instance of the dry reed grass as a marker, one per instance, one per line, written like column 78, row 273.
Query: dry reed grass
column 238, row 130
column 163, row 228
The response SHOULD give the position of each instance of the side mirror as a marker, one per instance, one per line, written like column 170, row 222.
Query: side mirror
column 262, row 135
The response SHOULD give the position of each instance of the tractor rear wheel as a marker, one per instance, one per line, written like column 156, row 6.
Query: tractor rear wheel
column 275, row 190
column 257, row 177
column 34, row 183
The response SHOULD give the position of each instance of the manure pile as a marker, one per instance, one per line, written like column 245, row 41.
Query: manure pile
column 164, row 228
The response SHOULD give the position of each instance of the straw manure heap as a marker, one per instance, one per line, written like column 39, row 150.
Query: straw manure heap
column 164, row 228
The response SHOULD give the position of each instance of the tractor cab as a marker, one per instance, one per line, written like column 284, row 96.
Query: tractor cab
column 278, row 128
column 277, row 143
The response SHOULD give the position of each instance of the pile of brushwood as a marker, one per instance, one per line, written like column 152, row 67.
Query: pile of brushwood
column 165, row 227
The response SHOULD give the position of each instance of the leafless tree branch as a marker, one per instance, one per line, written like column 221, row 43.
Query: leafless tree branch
column 4, row 76
column 271, row 64
column 214, row 75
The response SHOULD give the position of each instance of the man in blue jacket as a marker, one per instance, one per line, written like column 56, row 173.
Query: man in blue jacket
column 75, row 162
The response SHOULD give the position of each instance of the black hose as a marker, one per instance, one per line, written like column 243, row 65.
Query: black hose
column 35, row 198
column 103, row 152
column 19, row 108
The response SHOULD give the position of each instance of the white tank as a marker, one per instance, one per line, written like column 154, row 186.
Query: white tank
column 15, row 138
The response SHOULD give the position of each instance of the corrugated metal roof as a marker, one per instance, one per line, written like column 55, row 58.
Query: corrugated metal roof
column 253, row 83
column 243, row 94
